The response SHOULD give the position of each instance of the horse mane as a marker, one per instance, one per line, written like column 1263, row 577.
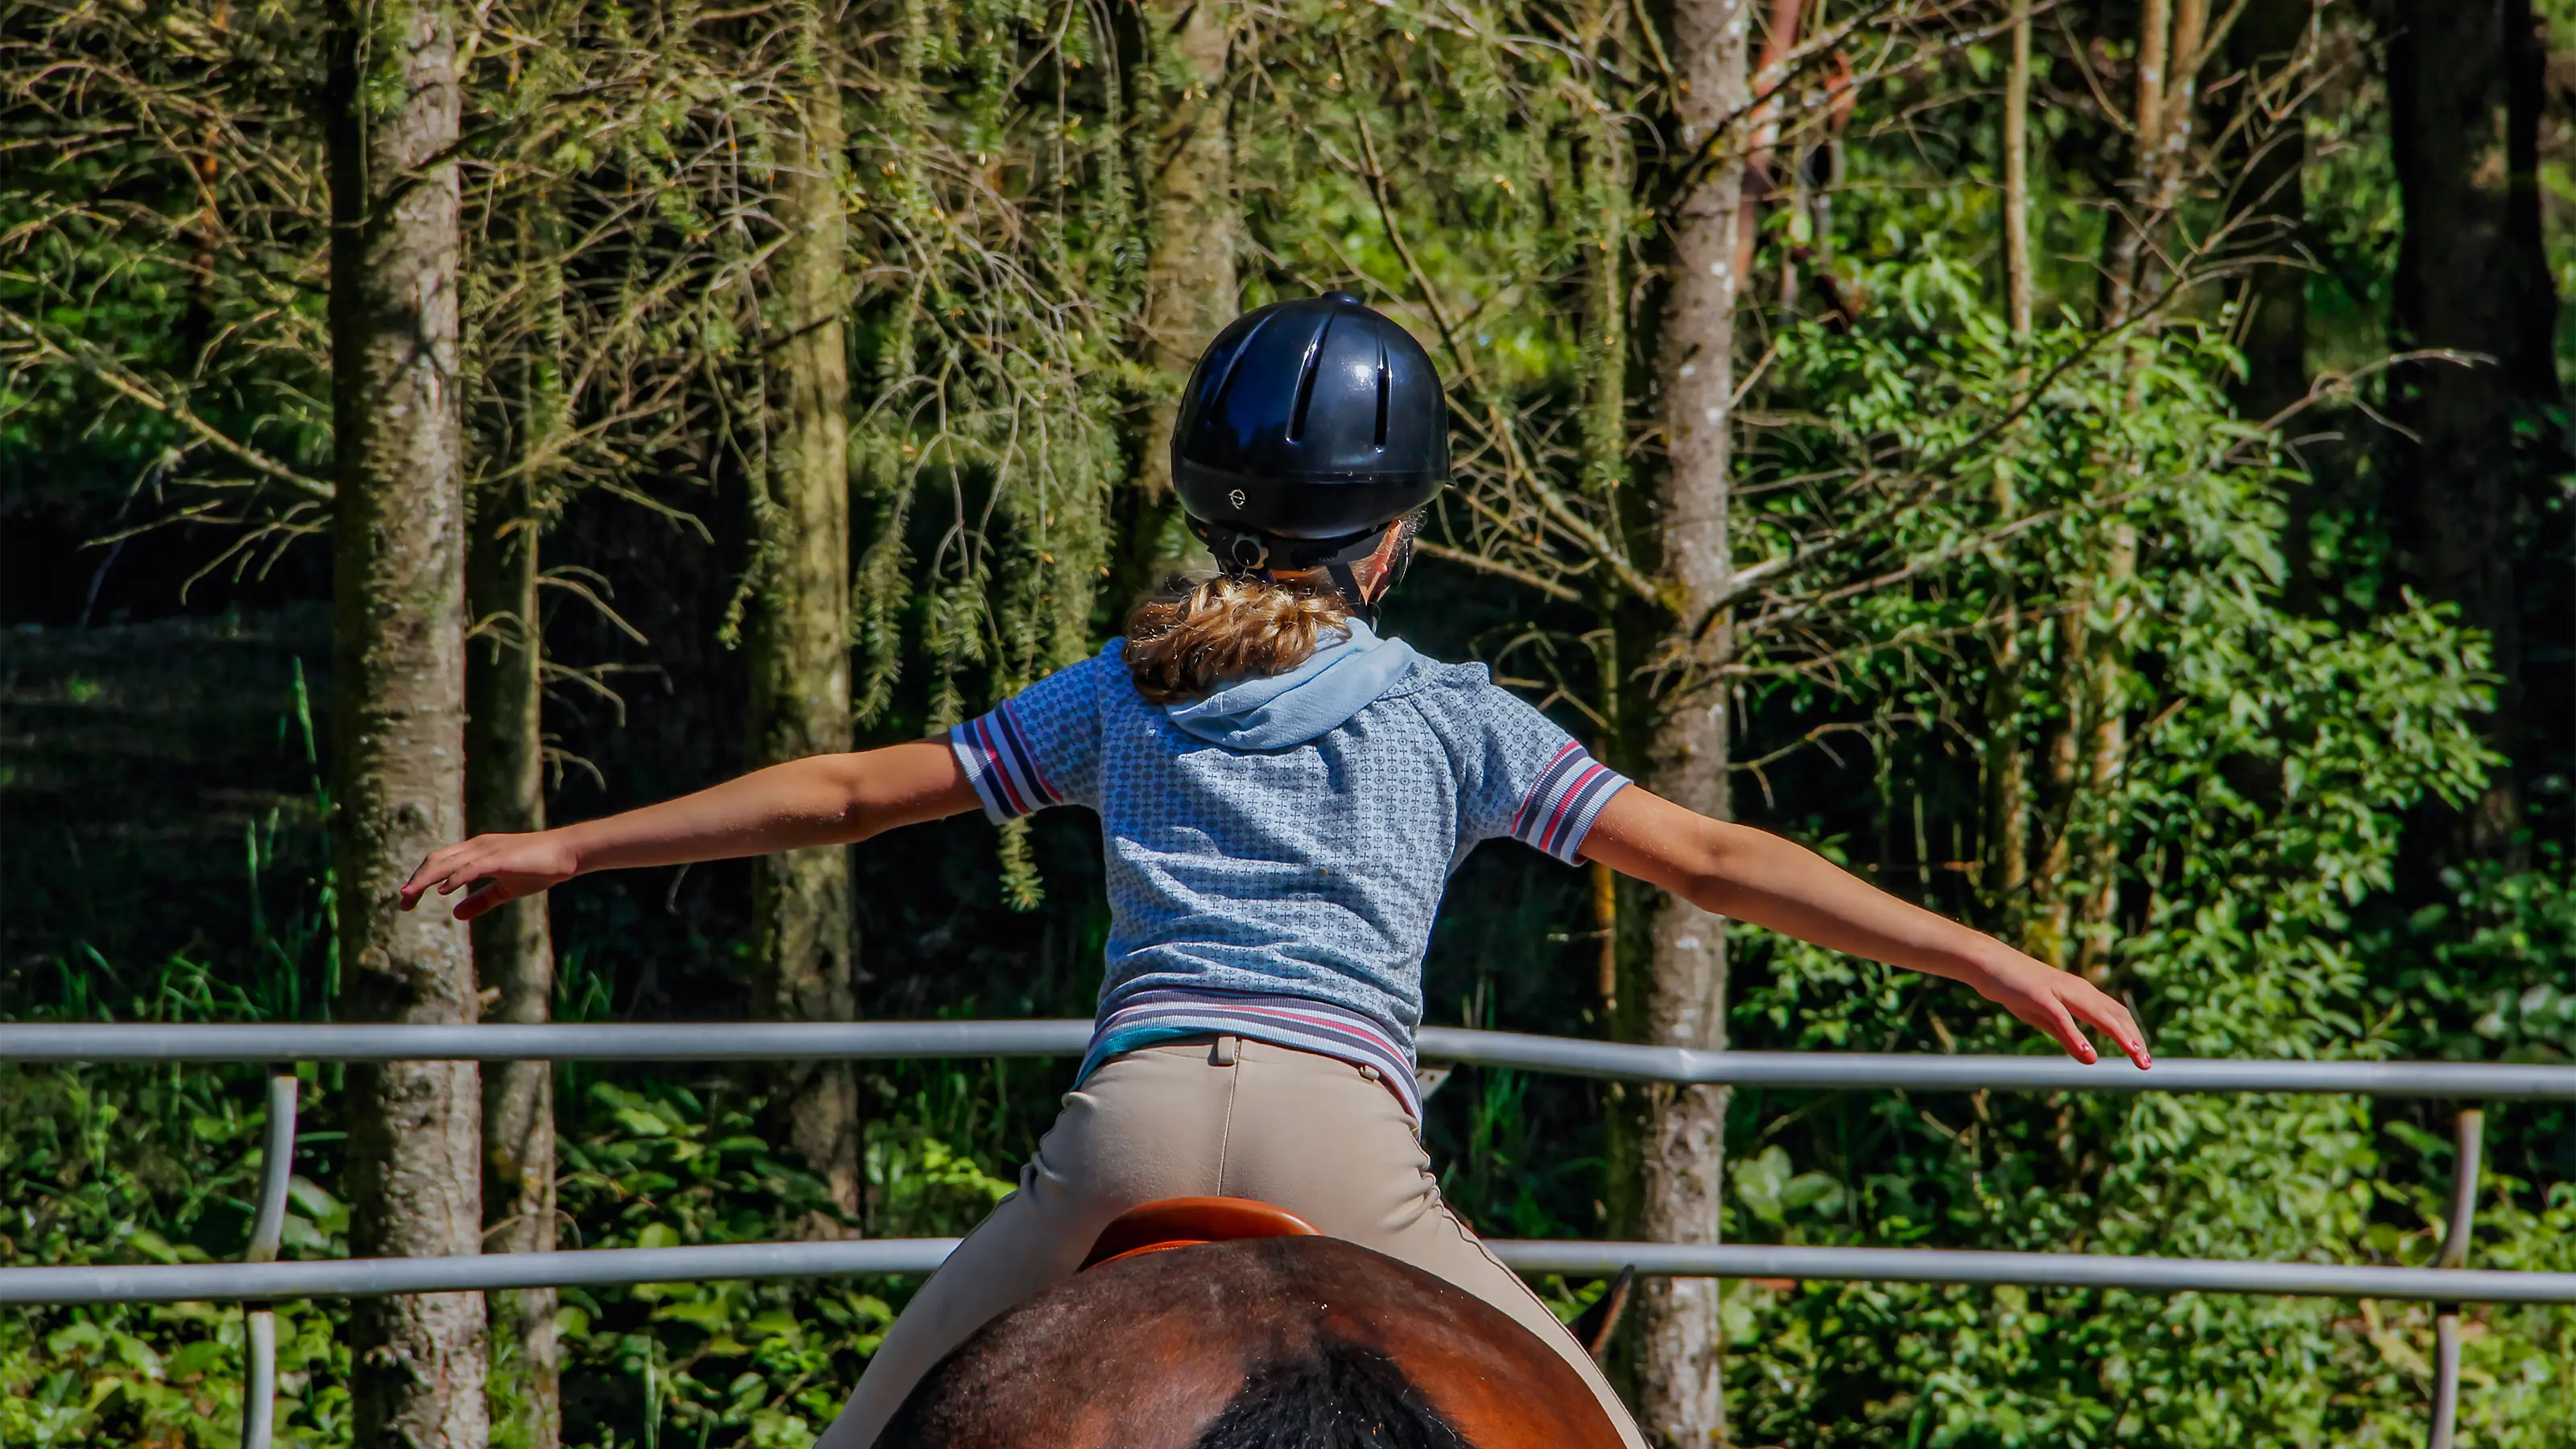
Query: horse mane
column 1336, row 1395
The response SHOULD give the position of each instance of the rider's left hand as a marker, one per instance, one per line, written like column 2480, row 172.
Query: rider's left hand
column 2059, row 1003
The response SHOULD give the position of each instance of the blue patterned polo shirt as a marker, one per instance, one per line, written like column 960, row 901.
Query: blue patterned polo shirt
column 1284, row 895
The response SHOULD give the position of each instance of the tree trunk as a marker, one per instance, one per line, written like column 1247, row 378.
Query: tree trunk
column 1677, row 1150
column 398, row 554
column 2047, row 920
column 1609, row 192
column 2272, row 300
column 2017, row 281
column 505, row 791
column 1190, row 290
column 2534, row 359
column 2470, row 273
column 2006, row 867
column 2173, row 38
column 1761, row 167
column 2174, row 43
column 2133, row 220
column 2007, row 856
column 2106, row 690
column 1607, row 195
column 805, row 949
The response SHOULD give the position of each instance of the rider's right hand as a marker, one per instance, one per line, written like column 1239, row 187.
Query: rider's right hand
column 498, row 867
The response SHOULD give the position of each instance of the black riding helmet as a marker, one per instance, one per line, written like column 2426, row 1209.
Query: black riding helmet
column 1306, row 429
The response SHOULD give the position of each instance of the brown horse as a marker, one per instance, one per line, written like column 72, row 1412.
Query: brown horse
column 1214, row 1324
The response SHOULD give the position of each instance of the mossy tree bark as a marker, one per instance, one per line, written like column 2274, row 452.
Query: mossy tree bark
column 805, row 946
column 1190, row 290
column 1608, row 176
column 398, row 687
column 1674, row 1158
column 1609, row 182
column 505, row 791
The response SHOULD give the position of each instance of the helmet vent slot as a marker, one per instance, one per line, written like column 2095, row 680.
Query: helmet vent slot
column 1385, row 384
column 1225, row 379
column 1306, row 380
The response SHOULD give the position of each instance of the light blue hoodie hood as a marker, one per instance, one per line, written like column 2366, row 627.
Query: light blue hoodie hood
column 1342, row 677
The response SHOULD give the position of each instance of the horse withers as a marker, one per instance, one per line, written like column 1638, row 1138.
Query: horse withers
column 1187, row 1335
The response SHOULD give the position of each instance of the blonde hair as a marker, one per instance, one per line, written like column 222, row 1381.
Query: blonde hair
column 1187, row 640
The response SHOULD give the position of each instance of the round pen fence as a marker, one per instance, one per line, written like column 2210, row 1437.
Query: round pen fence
column 262, row 1279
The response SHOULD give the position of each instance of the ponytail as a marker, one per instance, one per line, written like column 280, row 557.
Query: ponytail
column 1187, row 640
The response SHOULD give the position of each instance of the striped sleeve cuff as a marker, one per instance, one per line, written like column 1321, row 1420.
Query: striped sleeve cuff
column 995, row 753
column 1560, row 808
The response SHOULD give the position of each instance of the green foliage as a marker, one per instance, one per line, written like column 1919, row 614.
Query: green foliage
column 149, row 251
column 1988, row 555
column 2482, row 975
column 159, row 1164
column 660, row 1164
column 138, row 1164
column 990, row 361
column 154, row 1165
column 2254, row 811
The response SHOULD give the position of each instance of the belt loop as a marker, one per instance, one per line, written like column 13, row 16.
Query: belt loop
column 1221, row 1054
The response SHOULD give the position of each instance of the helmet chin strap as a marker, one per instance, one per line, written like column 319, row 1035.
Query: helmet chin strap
column 1239, row 554
column 1349, row 584
column 1392, row 555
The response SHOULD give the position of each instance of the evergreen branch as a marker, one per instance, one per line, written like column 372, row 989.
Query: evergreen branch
column 118, row 382
column 1550, row 499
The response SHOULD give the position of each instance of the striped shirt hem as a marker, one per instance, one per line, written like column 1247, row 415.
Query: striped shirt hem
column 1299, row 1022
column 1559, row 810
column 995, row 753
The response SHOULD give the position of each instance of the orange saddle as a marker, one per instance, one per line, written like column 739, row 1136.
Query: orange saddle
column 1186, row 1222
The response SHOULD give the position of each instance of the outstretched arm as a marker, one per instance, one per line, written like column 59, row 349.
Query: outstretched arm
column 825, row 800
column 1753, row 875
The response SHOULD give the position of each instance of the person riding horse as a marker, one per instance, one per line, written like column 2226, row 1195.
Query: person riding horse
column 1283, row 793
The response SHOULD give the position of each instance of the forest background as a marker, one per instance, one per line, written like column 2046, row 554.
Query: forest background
column 2096, row 467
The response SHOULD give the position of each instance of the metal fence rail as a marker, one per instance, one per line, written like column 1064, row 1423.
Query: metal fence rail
column 260, row 1280
column 1620, row 1061
column 623, row 1267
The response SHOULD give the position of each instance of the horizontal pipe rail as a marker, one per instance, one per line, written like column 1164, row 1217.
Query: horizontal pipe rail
column 900, row 1040
column 2038, row 1270
column 1924, row 1071
column 594, row 1042
column 487, row 1273
column 612, row 1267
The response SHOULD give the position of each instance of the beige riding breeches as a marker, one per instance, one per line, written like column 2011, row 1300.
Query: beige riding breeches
column 1207, row 1117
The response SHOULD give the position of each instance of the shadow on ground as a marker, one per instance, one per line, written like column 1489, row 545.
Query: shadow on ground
column 138, row 762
